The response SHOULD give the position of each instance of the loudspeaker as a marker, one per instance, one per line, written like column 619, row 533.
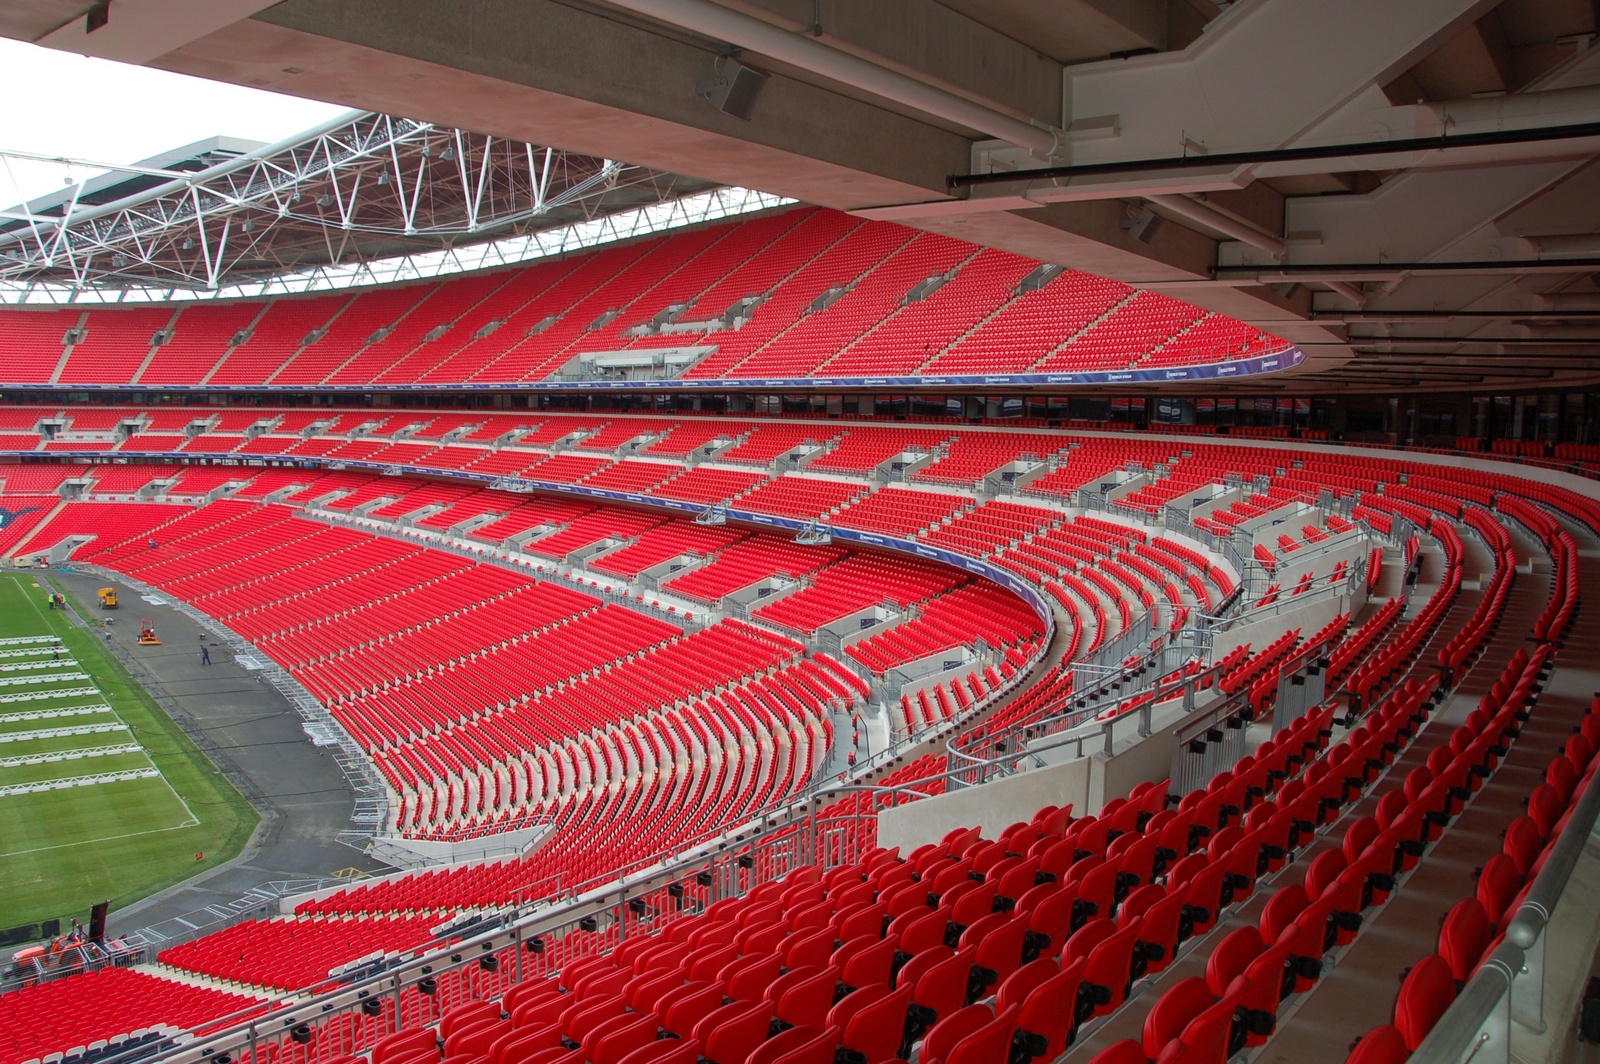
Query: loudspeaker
column 97, row 921
column 735, row 91
column 1143, row 226
column 98, row 16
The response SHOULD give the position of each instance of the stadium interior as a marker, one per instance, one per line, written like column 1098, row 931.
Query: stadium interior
column 811, row 532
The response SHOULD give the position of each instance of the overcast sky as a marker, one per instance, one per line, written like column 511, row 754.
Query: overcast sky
column 63, row 104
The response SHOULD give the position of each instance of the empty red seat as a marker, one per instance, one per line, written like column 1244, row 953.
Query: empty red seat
column 1464, row 937
column 876, row 1030
column 1427, row 992
column 989, row 1044
column 1381, row 1045
column 1173, row 1011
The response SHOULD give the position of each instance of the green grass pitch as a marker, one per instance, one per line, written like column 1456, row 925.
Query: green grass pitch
column 63, row 849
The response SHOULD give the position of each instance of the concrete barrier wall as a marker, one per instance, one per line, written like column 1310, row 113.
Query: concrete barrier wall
column 1259, row 634
column 1085, row 783
column 991, row 807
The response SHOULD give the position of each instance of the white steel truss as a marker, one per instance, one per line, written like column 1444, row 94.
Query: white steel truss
column 336, row 202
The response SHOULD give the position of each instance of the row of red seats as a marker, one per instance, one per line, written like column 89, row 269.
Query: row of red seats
column 62, row 1014
column 949, row 621
column 293, row 953
column 1472, row 927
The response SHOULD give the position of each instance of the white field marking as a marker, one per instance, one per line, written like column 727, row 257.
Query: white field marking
column 65, row 782
column 103, row 838
column 40, row 696
column 84, row 676
column 52, row 714
column 74, row 754
column 36, row 666
column 34, row 681
column 59, row 733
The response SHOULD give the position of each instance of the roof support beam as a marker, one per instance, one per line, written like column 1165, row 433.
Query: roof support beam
column 721, row 23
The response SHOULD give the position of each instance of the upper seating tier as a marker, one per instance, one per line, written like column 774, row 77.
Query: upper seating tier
column 803, row 295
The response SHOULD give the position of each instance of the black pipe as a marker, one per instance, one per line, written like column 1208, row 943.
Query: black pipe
column 1314, row 270
column 1511, row 341
column 1363, row 316
column 1273, row 155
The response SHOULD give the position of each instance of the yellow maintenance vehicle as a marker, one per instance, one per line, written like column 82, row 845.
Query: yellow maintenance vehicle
column 108, row 598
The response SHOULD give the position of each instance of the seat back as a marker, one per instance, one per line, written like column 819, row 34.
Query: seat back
column 1049, row 1014
column 1231, row 956
column 1209, row 1036
column 943, row 1035
column 683, row 1016
column 820, row 1049
column 1381, row 1045
column 391, row 1046
column 781, row 1044
column 1000, row 949
column 609, row 1044
column 1126, row 1051
column 666, row 1051
column 989, row 1044
column 1111, row 965
column 1023, row 981
column 1172, row 1012
column 1323, row 870
column 806, row 1002
column 1523, row 843
column 1424, row 996
column 845, row 1009
column 1286, row 903
column 877, row 1029
column 869, row 965
column 1498, row 883
column 1464, row 937
column 731, row 1033
column 943, row 987
column 462, row 1015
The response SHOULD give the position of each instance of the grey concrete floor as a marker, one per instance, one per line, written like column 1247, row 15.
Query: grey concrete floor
column 254, row 736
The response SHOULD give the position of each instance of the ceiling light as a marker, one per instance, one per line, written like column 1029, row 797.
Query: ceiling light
column 324, row 200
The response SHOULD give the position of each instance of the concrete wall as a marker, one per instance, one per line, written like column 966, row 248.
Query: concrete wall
column 1085, row 783
column 991, row 807
column 1321, row 560
column 1259, row 634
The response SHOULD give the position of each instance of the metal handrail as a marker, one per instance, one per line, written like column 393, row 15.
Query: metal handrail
column 1507, row 991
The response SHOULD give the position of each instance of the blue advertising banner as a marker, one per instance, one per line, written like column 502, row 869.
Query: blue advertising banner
column 1246, row 367
column 1004, row 577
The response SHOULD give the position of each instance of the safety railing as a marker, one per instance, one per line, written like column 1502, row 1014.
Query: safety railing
column 485, row 956
column 1504, row 1002
column 1076, row 726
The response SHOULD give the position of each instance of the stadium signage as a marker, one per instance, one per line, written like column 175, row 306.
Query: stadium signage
column 1246, row 367
column 992, row 573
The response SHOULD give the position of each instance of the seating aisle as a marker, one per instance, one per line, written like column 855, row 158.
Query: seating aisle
column 1358, row 993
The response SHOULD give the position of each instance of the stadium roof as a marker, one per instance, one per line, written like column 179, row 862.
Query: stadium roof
column 358, row 190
